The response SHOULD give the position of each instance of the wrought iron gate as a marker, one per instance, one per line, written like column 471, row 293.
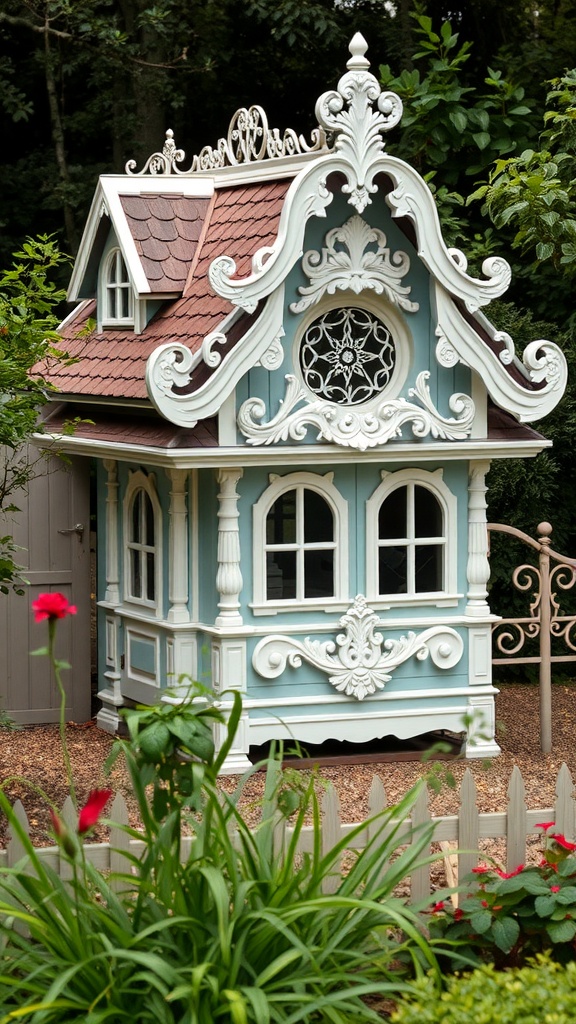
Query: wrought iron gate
column 545, row 621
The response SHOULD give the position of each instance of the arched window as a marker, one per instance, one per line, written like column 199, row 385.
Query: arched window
column 142, row 542
column 411, row 530
column 118, row 298
column 299, row 546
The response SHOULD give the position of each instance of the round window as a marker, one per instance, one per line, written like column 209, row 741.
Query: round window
column 347, row 356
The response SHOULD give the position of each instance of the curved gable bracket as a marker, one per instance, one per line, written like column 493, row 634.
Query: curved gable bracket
column 542, row 361
column 171, row 366
column 356, row 115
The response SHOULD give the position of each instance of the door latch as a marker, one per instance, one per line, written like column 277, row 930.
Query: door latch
column 79, row 529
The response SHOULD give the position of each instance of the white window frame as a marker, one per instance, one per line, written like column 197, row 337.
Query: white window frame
column 112, row 281
column 139, row 481
column 433, row 482
column 322, row 485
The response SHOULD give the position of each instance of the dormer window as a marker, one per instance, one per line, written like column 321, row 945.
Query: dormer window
column 118, row 301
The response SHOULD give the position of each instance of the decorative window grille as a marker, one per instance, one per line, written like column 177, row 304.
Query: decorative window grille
column 347, row 356
column 411, row 542
column 118, row 298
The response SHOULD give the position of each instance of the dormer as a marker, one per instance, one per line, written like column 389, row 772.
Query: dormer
column 138, row 247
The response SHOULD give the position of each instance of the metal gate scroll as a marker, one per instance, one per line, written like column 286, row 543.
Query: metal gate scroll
column 545, row 621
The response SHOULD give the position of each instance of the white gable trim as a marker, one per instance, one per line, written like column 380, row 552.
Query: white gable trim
column 541, row 361
column 107, row 202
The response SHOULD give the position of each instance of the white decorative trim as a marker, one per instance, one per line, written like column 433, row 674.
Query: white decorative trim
column 355, row 427
column 354, row 266
column 249, row 139
column 359, row 156
column 541, row 361
column 279, row 485
column 434, row 482
column 173, row 365
column 228, row 577
column 273, row 356
column 359, row 661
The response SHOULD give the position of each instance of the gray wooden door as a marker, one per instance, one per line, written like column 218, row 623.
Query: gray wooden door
column 56, row 557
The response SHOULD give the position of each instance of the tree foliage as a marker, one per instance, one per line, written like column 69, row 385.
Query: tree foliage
column 28, row 319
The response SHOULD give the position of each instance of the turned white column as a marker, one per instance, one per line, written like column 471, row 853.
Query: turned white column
column 112, row 567
column 228, row 577
column 178, row 547
column 478, row 568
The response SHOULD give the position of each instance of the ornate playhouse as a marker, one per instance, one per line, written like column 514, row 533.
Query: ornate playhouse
column 292, row 400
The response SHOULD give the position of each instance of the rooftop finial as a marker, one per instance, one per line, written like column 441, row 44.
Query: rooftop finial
column 358, row 47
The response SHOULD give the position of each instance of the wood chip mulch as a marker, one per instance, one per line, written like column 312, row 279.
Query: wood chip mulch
column 31, row 760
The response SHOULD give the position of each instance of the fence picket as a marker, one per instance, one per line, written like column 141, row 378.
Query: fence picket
column 564, row 804
column 119, row 842
column 516, row 823
column 420, row 880
column 331, row 832
column 15, row 849
column 468, row 825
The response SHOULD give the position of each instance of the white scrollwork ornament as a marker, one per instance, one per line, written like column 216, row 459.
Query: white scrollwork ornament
column 359, row 662
column 355, row 428
column 274, row 355
column 349, row 262
column 249, row 139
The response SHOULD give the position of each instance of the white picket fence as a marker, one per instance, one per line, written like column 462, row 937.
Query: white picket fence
column 464, row 829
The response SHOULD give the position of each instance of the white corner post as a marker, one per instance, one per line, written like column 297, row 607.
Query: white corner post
column 478, row 568
column 229, row 651
column 112, row 566
column 178, row 547
column 108, row 718
column 481, row 724
column 228, row 576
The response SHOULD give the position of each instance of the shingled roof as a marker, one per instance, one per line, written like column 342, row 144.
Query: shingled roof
column 237, row 221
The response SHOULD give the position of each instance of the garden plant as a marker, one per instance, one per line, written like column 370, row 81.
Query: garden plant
column 231, row 924
column 506, row 917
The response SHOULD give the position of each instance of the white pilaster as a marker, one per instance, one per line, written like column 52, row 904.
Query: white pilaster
column 178, row 568
column 112, row 567
column 478, row 567
column 228, row 576
column 481, row 727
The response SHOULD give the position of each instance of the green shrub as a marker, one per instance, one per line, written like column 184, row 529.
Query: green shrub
column 540, row 993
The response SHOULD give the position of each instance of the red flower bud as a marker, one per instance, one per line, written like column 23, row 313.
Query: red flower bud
column 554, row 888
column 563, row 842
column 458, row 914
column 52, row 606
column 438, row 907
column 88, row 817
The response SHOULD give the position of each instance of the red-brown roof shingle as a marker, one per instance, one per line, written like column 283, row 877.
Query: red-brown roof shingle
column 112, row 363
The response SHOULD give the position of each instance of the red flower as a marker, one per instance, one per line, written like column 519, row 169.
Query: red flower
column 458, row 913
column 554, row 888
column 52, row 606
column 563, row 842
column 97, row 800
column 546, row 825
column 438, row 907
column 510, row 874
column 482, row 869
